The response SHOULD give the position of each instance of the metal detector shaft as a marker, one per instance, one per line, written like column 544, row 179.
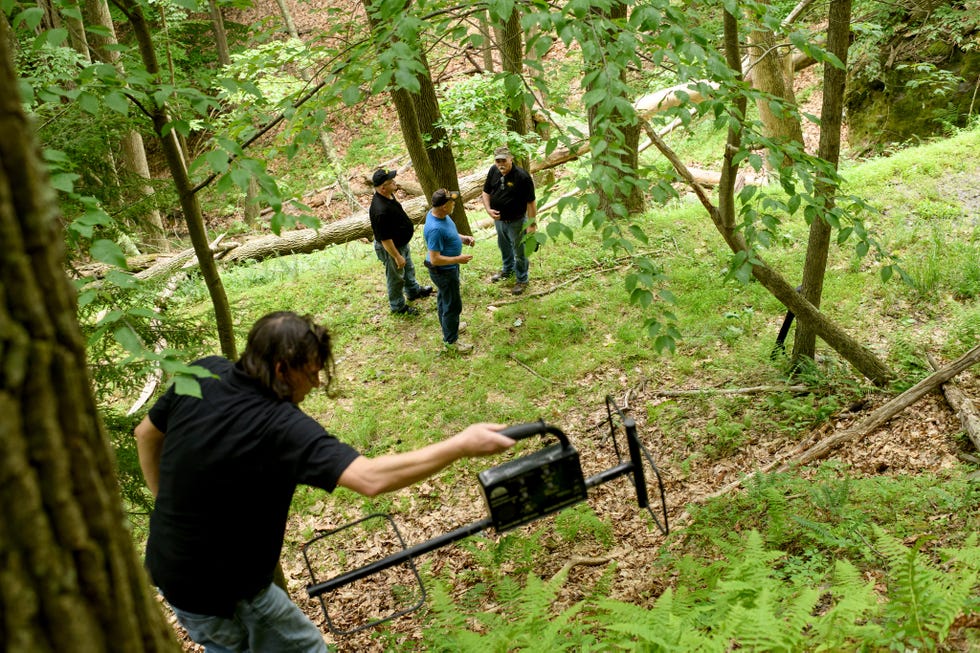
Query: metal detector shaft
column 397, row 558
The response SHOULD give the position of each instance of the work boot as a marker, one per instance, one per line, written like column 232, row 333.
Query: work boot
column 458, row 347
column 406, row 310
column 500, row 276
column 424, row 291
column 518, row 288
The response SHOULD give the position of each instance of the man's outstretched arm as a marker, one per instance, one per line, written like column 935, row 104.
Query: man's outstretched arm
column 373, row 476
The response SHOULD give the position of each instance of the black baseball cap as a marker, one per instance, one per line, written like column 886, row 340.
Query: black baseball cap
column 443, row 196
column 381, row 175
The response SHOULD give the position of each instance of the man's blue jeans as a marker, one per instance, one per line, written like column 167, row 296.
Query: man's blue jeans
column 401, row 281
column 510, row 240
column 449, row 302
column 269, row 623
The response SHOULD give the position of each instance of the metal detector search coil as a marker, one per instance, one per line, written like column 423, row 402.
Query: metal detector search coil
column 532, row 486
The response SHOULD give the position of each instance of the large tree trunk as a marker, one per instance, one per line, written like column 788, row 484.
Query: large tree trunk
column 512, row 61
column 772, row 73
column 831, row 118
column 188, row 200
column 70, row 579
column 408, row 120
column 440, row 152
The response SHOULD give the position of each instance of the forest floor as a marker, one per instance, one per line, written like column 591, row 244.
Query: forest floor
column 924, row 439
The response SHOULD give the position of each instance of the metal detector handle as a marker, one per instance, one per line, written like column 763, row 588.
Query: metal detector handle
column 530, row 429
column 639, row 478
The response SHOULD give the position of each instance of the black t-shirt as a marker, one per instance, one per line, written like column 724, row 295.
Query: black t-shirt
column 509, row 194
column 389, row 221
column 231, row 461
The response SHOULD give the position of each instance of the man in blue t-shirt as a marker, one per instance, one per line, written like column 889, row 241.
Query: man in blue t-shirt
column 223, row 468
column 508, row 197
column 445, row 255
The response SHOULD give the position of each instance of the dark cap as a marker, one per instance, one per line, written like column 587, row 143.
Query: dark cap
column 502, row 153
column 381, row 175
column 443, row 196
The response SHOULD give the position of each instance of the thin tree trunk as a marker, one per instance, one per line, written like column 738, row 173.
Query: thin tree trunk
column 188, row 200
column 133, row 150
column 723, row 216
column 486, row 49
column 220, row 34
column 70, row 578
column 831, row 118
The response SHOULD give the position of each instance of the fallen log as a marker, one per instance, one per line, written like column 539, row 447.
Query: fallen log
column 965, row 407
column 855, row 432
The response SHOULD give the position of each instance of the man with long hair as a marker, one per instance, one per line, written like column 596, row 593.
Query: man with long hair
column 223, row 468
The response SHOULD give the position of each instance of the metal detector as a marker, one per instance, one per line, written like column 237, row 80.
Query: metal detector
column 516, row 493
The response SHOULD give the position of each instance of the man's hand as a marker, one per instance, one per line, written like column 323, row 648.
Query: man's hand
column 468, row 240
column 532, row 227
column 464, row 258
column 400, row 261
column 481, row 440
column 493, row 213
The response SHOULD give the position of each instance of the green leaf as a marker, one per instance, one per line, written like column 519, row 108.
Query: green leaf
column 108, row 252
column 29, row 17
column 64, row 181
column 187, row 385
column 117, row 102
column 128, row 339
column 88, row 102
column 218, row 160
column 56, row 37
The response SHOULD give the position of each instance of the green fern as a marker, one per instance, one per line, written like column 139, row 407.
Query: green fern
column 923, row 600
column 849, row 619
column 670, row 625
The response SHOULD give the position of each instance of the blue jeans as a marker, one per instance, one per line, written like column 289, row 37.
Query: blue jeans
column 268, row 623
column 510, row 240
column 401, row 281
column 449, row 302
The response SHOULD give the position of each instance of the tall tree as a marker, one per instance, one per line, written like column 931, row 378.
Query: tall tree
column 102, row 45
column 831, row 118
column 417, row 105
column 614, row 129
column 193, row 216
column 438, row 147
column 70, row 578
column 772, row 72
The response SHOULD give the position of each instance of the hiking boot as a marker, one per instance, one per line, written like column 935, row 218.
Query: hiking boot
column 458, row 347
column 500, row 276
column 424, row 291
column 518, row 288
column 406, row 310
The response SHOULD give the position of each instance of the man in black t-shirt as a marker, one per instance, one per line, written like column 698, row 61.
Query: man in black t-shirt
column 508, row 197
column 223, row 468
column 393, row 231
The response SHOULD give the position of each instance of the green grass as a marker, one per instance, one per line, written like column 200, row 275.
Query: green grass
column 556, row 356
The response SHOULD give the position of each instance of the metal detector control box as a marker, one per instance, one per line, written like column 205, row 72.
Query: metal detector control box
column 546, row 481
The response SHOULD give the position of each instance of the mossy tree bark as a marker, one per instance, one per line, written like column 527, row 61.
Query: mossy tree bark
column 70, row 579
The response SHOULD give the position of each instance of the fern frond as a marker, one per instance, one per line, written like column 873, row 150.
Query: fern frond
column 923, row 600
column 850, row 618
